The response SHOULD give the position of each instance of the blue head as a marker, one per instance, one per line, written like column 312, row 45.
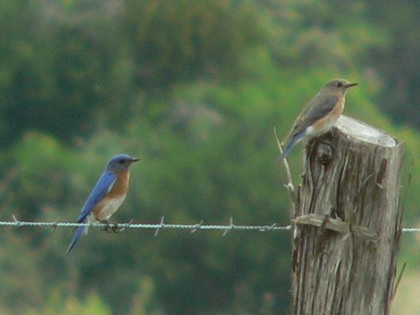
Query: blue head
column 120, row 162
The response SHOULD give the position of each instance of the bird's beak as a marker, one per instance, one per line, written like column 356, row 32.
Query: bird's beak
column 349, row 85
column 134, row 160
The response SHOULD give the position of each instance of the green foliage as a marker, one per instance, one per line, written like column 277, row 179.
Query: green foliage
column 321, row 34
column 22, row 284
column 38, row 166
column 59, row 77
column 398, row 65
column 91, row 305
column 179, row 40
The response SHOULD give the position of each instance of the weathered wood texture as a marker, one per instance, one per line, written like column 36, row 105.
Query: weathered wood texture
column 347, row 223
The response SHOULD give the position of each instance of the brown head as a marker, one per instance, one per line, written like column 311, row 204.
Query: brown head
column 338, row 86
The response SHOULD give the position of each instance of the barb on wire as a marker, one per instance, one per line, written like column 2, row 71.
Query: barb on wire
column 15, row 220
column 161, row 226
column 231, row 226
column 54, row 226
column 123, row 228
column 197, row 227
column 268, row 228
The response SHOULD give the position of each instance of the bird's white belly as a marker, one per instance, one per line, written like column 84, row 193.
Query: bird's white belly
column 110, row 206
column 313, row 132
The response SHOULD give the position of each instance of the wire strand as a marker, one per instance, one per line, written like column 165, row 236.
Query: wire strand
column 162, row 225
column 157, row 227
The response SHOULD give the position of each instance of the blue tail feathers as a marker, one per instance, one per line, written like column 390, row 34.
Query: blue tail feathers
column 295, row 139
column 79, row 232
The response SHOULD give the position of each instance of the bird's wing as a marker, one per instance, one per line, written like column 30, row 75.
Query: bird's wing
column 319, row 107
column 101, row 189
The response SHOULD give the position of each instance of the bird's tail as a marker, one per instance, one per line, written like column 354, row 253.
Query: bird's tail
column 295, row 139
column 79, row 232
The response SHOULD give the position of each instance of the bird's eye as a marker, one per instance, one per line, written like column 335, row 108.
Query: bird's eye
column 340, row 84
column 121, row 161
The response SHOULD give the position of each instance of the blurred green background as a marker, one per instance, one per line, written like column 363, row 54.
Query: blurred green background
column 194, row 88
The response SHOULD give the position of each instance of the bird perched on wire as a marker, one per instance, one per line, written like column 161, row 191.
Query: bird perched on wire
column 107, row 195
column 319, row 115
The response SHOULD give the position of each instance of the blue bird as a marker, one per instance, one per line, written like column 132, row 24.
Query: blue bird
column 319, row 115
column 107, row 195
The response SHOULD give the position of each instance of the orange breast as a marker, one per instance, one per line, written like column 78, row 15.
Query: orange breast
column 113, row 200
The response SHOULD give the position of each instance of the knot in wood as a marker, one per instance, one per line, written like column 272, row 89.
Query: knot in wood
column 324, row 153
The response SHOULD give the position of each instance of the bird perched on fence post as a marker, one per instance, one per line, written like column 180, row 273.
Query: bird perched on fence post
column 319, row 115
column 107, row 195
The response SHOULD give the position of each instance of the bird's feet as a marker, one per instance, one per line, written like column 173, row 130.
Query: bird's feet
column 114, row 227
column 110, row 227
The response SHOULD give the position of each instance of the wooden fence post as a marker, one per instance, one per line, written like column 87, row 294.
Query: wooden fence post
column 347, row 223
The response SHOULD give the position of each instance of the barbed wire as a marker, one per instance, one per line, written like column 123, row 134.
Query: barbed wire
column 410, row 230
column 159, row 226
column 162, row 225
